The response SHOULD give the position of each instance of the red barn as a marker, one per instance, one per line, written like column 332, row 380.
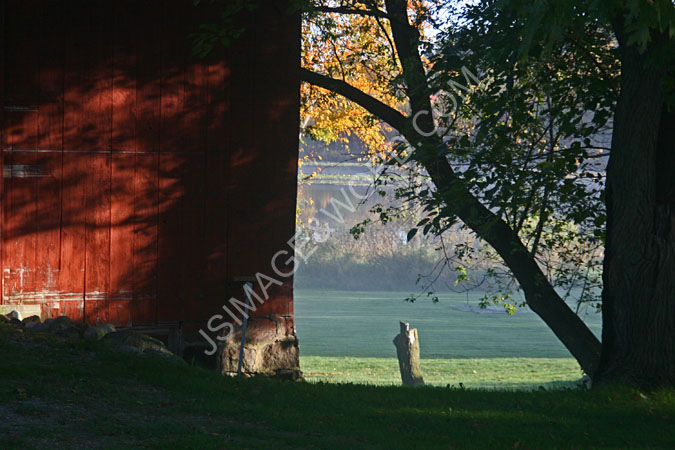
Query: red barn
column 141, row 185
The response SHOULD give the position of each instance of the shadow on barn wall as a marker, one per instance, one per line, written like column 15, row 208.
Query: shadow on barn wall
column 139, row 182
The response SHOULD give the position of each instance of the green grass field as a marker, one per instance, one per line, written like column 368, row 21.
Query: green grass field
column 67, row 394
column 485, row 373
column 346, row 337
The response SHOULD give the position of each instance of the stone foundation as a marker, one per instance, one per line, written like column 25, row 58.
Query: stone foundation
column 271, row 349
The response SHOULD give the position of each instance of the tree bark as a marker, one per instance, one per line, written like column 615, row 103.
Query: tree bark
column 408, row 351
column 639, row 267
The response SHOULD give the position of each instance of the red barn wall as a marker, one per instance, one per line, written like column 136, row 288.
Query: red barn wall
column 139, row 182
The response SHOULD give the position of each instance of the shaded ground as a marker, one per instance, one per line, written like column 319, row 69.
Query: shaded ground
column 76, row 394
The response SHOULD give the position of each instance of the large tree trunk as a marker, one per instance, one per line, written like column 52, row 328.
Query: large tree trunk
column 639, row 268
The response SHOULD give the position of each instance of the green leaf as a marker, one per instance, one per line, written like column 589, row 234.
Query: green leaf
column 411, row 234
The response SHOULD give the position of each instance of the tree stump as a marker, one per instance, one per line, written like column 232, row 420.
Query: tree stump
column 408, row 351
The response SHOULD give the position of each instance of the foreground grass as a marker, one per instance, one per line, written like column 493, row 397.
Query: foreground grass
column 484, row 373
column 75, row 394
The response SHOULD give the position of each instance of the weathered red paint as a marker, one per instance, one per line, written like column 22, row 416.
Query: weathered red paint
column 140, row 182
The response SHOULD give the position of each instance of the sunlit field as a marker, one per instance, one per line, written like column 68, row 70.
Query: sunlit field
column 346, row 337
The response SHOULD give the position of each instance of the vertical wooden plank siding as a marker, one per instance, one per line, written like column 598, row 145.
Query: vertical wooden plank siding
column 98, row 162
column 148, row 127
column 20, row 206
column 139, row 180
column 193, row 205
column 276, row 36
column 144, row 271
column 173, row 145
column 78, row 135
column 217, row 198
column 246, row 168
column 97, row 239
column 50, row 143
column 121, row 237
column 21, row 200
column 124, row 144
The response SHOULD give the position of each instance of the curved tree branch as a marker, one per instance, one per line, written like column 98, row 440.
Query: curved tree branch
column 369, row 103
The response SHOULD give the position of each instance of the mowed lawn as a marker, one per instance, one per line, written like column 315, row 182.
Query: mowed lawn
column 347, row 337
column 70, row 394
column 485, row 373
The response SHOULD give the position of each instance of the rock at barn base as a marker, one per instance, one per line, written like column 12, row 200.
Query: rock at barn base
column 271, row 349
column 14, row 315
column 37, row 327
column 126, row 340
column 65, row 327
column 31, row 319
column 99, row 332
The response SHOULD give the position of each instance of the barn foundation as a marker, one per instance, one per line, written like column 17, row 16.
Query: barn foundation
column 270, row 349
